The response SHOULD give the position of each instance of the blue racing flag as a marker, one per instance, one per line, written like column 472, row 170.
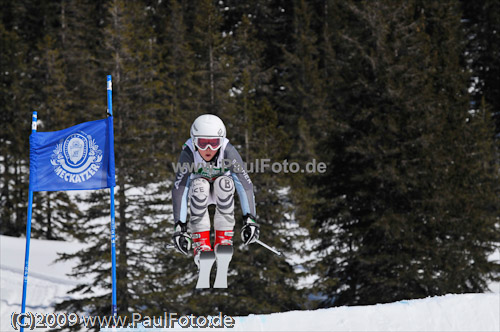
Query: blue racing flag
column 77, row 158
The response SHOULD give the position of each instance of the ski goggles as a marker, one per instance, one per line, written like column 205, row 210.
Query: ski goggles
column 203, row 143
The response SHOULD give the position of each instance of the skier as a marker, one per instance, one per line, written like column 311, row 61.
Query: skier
column 212, row 183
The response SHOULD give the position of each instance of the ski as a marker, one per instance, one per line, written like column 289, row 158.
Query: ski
column 207, row 259
column 223, row 255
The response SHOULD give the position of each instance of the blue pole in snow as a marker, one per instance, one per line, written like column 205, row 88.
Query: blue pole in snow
column 28, row 236
column 112, row 197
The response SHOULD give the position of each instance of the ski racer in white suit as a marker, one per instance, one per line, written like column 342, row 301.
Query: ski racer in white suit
column 212, row 183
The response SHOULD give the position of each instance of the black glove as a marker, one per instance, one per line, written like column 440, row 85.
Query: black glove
column 250, row 231
column 182, row 239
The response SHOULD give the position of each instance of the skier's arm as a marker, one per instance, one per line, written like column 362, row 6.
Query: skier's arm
column 181, row 186
column 242, row 182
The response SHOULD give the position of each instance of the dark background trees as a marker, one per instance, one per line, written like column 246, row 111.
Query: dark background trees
column 400, row 100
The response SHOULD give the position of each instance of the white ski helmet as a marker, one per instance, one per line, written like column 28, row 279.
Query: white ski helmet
column 208, row 126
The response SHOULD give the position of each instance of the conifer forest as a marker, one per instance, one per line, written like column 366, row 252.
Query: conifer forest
column 399, row 99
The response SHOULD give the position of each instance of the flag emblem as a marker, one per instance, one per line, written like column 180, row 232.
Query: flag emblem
column 75, row 149
column 76, row 158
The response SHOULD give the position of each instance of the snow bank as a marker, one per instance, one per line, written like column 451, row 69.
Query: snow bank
column 47, row 281
column 466, row 312
column 48, row 284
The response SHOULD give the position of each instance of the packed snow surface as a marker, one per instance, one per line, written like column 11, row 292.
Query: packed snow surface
column 48, row 285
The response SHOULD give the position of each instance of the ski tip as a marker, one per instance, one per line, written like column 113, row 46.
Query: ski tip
column 202, row 286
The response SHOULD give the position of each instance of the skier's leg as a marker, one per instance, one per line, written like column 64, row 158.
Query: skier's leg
column 224, row 212
column 223, row 224
column 199, row 222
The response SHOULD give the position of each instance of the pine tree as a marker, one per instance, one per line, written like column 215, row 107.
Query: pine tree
column 386, row 211
column 133, row 55
column 302, row 104
column 14, row 125
column 56, row 216
column 302, row 98
column 176, row 70
column 213, row 65
column 467, row 153
column 81, row 34
column 482, row 23
column 39, row 58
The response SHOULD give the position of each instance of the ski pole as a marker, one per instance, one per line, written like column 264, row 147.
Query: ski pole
column 277, row 252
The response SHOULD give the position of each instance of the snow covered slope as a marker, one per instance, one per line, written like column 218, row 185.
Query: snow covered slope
column 47, row 281
column 48, row 284
column 466, row 312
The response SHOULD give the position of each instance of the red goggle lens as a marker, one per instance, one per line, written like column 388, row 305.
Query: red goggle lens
column 203, row 143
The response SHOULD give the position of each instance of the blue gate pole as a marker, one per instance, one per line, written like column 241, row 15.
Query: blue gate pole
column 28, row 237
column 112, row 198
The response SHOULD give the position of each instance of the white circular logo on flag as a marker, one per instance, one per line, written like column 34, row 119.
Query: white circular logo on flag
column 76, row 158
column 75, row 148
